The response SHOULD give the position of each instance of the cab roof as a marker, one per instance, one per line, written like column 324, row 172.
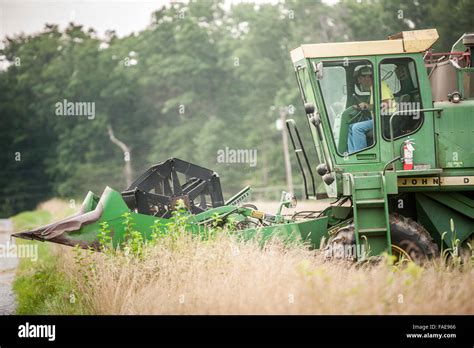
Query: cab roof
column 404, row 42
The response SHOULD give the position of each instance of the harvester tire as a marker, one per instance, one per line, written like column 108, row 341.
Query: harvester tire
column 409, row 240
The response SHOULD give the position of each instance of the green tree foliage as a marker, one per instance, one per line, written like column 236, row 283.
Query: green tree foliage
column 373, row 19
column 199, row 79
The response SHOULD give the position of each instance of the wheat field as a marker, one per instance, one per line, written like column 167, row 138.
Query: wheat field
column 185, row 275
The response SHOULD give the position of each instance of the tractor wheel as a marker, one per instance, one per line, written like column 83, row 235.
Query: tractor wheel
column 410, row 241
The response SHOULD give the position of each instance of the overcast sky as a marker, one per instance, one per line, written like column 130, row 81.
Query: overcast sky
column 30, row 16
column 123, row 16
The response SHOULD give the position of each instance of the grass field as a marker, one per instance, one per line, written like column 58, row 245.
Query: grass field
column 184, row 275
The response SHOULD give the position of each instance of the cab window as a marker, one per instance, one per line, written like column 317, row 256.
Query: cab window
column 399, row 91
column 347, row 91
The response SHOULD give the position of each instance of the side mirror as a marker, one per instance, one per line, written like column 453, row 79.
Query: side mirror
column 318, row 69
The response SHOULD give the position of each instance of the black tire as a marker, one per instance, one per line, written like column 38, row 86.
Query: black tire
column 409, row 238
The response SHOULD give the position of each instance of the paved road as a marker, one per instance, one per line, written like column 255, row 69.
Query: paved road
column 7, row 269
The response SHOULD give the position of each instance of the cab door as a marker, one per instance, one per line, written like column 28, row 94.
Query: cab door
column 352, row 133
column 407, row 79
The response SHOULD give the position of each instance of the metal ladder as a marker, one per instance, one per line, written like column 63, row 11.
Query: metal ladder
column 371, row 214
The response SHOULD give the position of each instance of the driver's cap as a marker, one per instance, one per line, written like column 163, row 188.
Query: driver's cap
column 364, row 71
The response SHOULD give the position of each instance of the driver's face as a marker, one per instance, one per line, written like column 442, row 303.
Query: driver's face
column 365, row 80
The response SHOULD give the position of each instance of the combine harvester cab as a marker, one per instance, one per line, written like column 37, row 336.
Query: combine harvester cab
column 392, row 123
column 150, row 201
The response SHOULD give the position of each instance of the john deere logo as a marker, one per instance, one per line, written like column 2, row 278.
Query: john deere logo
column 436, row 181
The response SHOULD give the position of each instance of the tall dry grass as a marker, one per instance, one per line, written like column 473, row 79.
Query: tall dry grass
column 184, row 275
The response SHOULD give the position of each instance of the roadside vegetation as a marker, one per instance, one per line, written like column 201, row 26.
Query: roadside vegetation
column 181, row 274
column 40, row 286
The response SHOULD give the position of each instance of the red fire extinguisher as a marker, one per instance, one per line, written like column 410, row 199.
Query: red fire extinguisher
column 408, row 149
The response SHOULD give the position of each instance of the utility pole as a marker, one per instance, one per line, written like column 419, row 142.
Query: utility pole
column 286, row 151
column 127, row 155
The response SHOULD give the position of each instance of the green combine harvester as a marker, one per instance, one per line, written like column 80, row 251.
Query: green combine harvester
column 392, row 125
